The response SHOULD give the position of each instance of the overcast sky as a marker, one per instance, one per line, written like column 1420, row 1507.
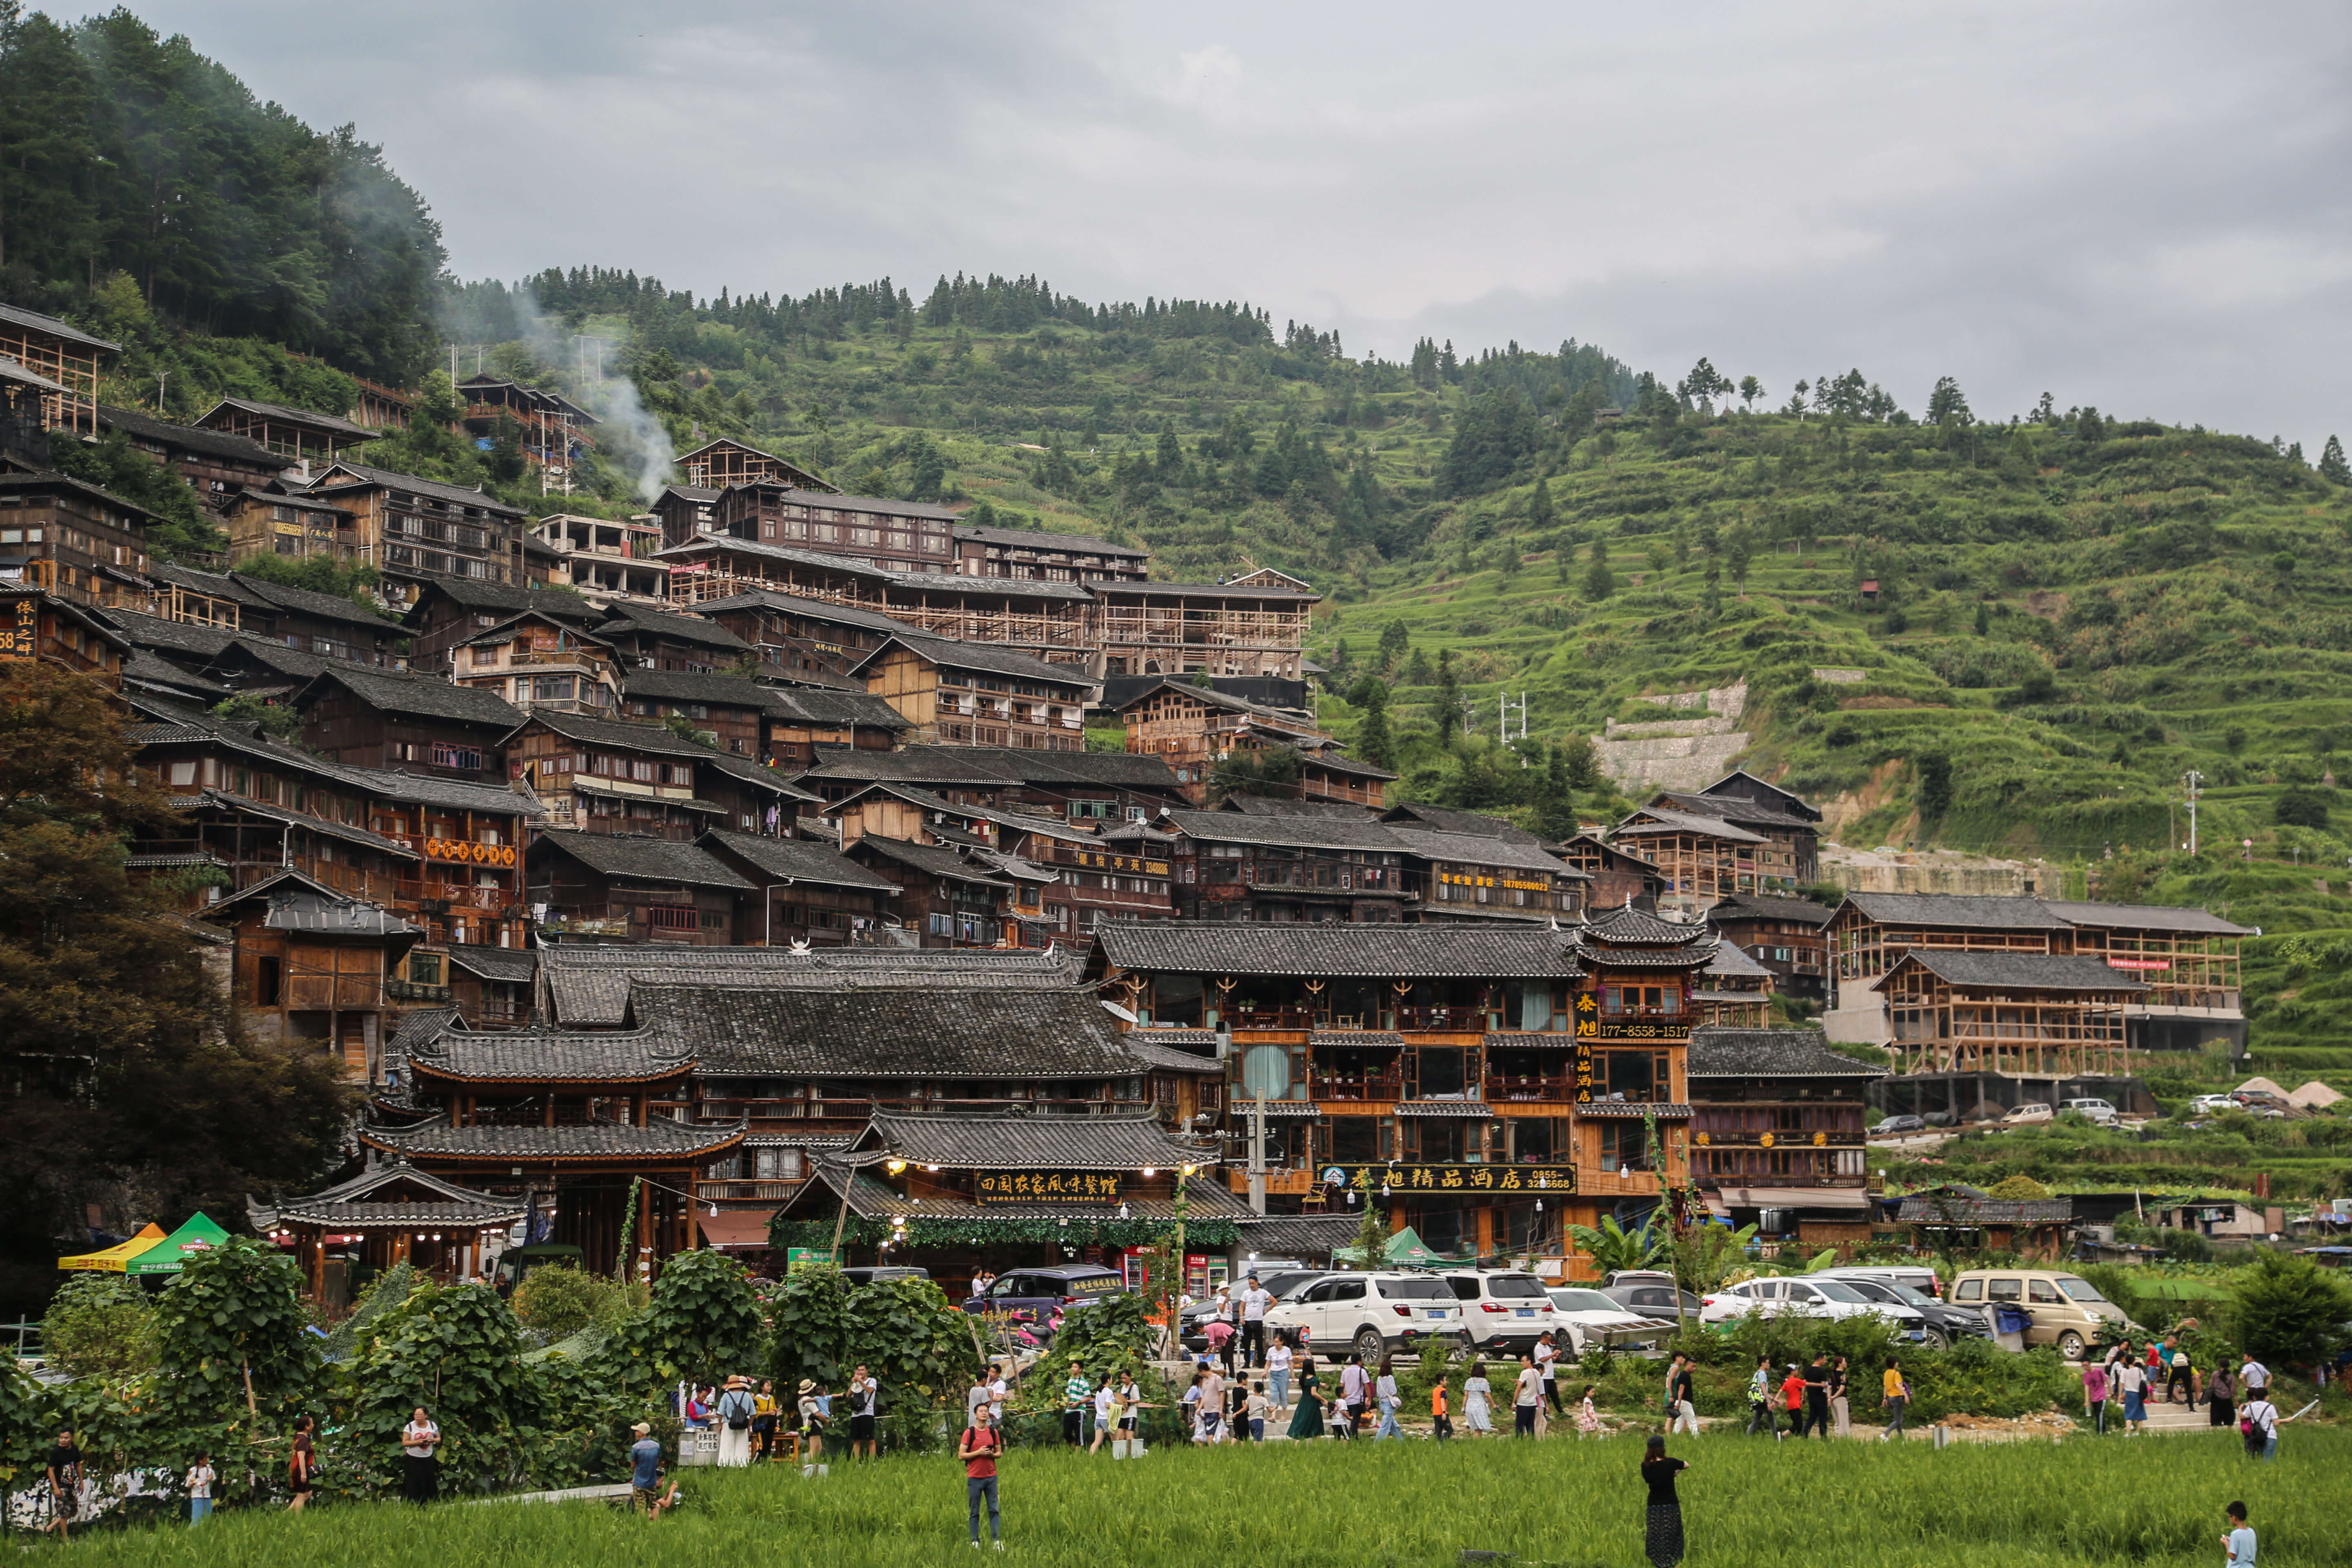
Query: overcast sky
column 2145, row 206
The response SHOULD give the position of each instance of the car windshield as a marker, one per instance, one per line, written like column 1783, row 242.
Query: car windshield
column 1870, row 1290
column 1910, row 1298
column 1836, row 1291
column 1416, row 1290
column 2079, row 1290
column 1516, row 1288
column 1584, row 1301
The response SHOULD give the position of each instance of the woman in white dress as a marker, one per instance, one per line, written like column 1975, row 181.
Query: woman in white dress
column 1478, row 1418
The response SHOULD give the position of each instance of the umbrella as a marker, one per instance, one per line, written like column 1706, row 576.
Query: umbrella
column 111, row 1260
column 171, row 1253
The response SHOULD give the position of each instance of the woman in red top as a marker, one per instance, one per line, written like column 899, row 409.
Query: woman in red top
column 978, row 1449
column 302, row 1465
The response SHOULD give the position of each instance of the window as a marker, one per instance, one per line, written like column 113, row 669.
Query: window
column 268, row 981
column 643, row 772
column 673, row 916
column 445, row 756
column 424, row 969
column 183, row 772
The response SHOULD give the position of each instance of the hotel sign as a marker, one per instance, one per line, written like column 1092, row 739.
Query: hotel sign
column 1408, row 1177
column 1046, row 1187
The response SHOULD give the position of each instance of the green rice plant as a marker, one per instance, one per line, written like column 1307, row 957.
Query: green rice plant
column 2149, row 1503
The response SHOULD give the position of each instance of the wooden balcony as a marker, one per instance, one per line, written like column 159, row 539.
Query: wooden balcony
column 1377, row 1086
column 1515, row 1089
column 1455, row 1020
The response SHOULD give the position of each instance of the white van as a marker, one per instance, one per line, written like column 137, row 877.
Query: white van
column 1506, row 1310
column 2098, row 1110
column 1371, row 1314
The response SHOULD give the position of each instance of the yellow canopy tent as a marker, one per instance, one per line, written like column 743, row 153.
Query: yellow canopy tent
column 115, row 1259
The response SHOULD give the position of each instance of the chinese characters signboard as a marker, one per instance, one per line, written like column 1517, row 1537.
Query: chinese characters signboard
column 1402, row 1178
column 469, row 851
column 20, row 630
column 1046, row 1187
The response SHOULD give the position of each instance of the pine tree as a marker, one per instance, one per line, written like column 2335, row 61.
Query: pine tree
column 1540, row 515
column 1392, row 646
column 1984, row 619
column 1449, row 700
column 2332, row 465
column 1599, row 580
column 1374, row 741
column 1555, row 800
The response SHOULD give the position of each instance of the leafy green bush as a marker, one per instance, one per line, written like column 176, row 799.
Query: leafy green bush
column 458, row 1351
column 99, row 1325
column 918, row 1346
column 703, row 1322
column 557, row 1300
column 2290, row 1312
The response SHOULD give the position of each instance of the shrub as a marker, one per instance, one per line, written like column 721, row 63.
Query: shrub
column 703, row 1322
column 2300, row 808
column 2020, row 1188
column 99, row 1325
column 2290, row 1312
column 559, row 1301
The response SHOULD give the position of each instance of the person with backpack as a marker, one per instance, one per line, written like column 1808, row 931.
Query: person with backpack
column 2221, row 1397
column 1759, row 1397
column 977, row 1448
column 2258, row 1424
column 201, row 1477
column 737, row 1410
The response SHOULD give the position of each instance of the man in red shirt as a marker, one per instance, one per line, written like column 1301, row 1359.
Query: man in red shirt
column 1792, row 1395
column 977, row 1448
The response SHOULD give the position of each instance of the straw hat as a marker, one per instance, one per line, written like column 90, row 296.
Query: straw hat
column 738, row 1380
column 808, row 1386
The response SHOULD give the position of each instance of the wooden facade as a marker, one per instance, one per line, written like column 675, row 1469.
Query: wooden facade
column 957, row 694
column 1200, row 629
column 2028, row 1015
column 536, row 660
column 614, row 887
column 67, row 358
column 798, row 638
column 1787, row 936
column 297, row 434
column 898, row 535
column 378, row 719
column 310, row 966
column 717, row 465
column 1703, row 859
column 33, row 624
column 1039, row 556
column 449, row 611
column 947, row 896
column 1192, row 728
column 548, row 425
column 808, row 894
column 416, row 529
column 1778, row 1126
column 292, row 527
column 606, row 776
column 75, row 541
column 218, row 467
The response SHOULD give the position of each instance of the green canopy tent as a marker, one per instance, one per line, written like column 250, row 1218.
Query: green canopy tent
column 1405, row 1249
column 170, row 1255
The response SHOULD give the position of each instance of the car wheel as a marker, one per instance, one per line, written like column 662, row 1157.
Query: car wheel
column 2070, row 1345
column 1934, row 1339
column 1369, row 1346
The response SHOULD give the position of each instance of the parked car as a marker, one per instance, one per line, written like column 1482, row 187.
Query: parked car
column 1192, row 1322
column 1371, row 1314
column 1940, row 1324
column 1505, row 1310
column 1044, row 1291
column 2213, row 1104
column 2098, row 1110
column 868, row 1275
column 1594, row 1319
column 2031, row 1114
column 1807, row 1297
column 1918, row 1276
column 516, row 1261
column 1653, row 1294
column 2067, row 1310
column 1894, row 1124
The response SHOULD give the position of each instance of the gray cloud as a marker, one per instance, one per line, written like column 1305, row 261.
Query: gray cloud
column 2138, row 206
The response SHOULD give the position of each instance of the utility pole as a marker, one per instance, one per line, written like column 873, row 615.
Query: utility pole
column 2193, row 778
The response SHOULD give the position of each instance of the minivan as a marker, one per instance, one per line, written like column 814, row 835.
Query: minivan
column 2098, row 1110
column 2065, row 1309
column 1047, row 1291
column 1372, row 1314
column 2032, row 1113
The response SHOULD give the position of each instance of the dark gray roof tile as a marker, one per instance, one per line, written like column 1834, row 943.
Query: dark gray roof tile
column 640, row 858
column 1370, row 950
column 582, row 1143
column 799, row 859
column 920, row 1028
column 588, row 987
column 1129, row 1143
column 2016, row 971
column 1720, row 1052
column 554, row 1055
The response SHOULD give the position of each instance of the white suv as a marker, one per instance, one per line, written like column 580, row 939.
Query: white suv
column 1809, row 1298
column 1371, row 1314
column 1506, row 1310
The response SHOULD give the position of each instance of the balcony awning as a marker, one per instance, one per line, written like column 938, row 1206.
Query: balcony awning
column 1852, row 1198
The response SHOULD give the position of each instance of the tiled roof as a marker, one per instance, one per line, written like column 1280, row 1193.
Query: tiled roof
column 695, row 686
column 1046, row 540
column 628, row 617
column 1205, row 591
column 989, row 657
column 1627, row 925
column 475, row 593
column 1720, row 1052
column 1938, row 1208
column 881, row 505
column 920, row 1028
column 1790, row 800
column 1304, row 1236
column 554, row 1055
column 797, row 604
column 619, row 732
column 1274, row 805
column 1387, row 951
column 933, row 582
column 1731, row 960
column 2016, row 971
column 334, row 422
column 1034, row 1142
column 359, row 836
column 825, row 709
column 589, row 987
column 1283, row 832
column 798, row 859
column 2143, row 917
column 1631, row 1109
column 383, row 478
column 177, row 636
column 640, row 858
column 580, row 1142
column 428, row 789
column 1151, row 1047
column 1001, row 765
column 292, row 902
column 1209, row 697
column 511, row 965
column 1330, row 762
column 1668, row 821
column 1447, row 1110
column 932, row 860
column 1966, row 910
column 418, row 1030
column 52, row 483
column 743, row 770
column 1752, row 906
column 141, row 667
column 442, row 1205
column 50, row 324
column 1445, row 819
column 415, row 694
column 1732, row 808
column 1481, row 849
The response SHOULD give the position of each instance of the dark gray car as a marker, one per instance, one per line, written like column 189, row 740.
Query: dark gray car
column 1940, row 1322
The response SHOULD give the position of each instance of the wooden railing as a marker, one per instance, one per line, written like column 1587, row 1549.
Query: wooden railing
column 1374, row 1086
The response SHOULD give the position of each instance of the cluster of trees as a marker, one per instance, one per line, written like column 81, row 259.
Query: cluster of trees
column 124, row 151
column 134, row 1086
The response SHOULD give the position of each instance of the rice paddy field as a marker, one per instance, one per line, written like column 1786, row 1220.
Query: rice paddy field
column 1558, row 1504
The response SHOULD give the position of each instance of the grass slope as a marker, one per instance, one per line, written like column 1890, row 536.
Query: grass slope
column 2154, row 1501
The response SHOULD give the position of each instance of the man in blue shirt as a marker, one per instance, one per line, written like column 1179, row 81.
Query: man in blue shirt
column 2241, row 1539
column 645, row 1470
